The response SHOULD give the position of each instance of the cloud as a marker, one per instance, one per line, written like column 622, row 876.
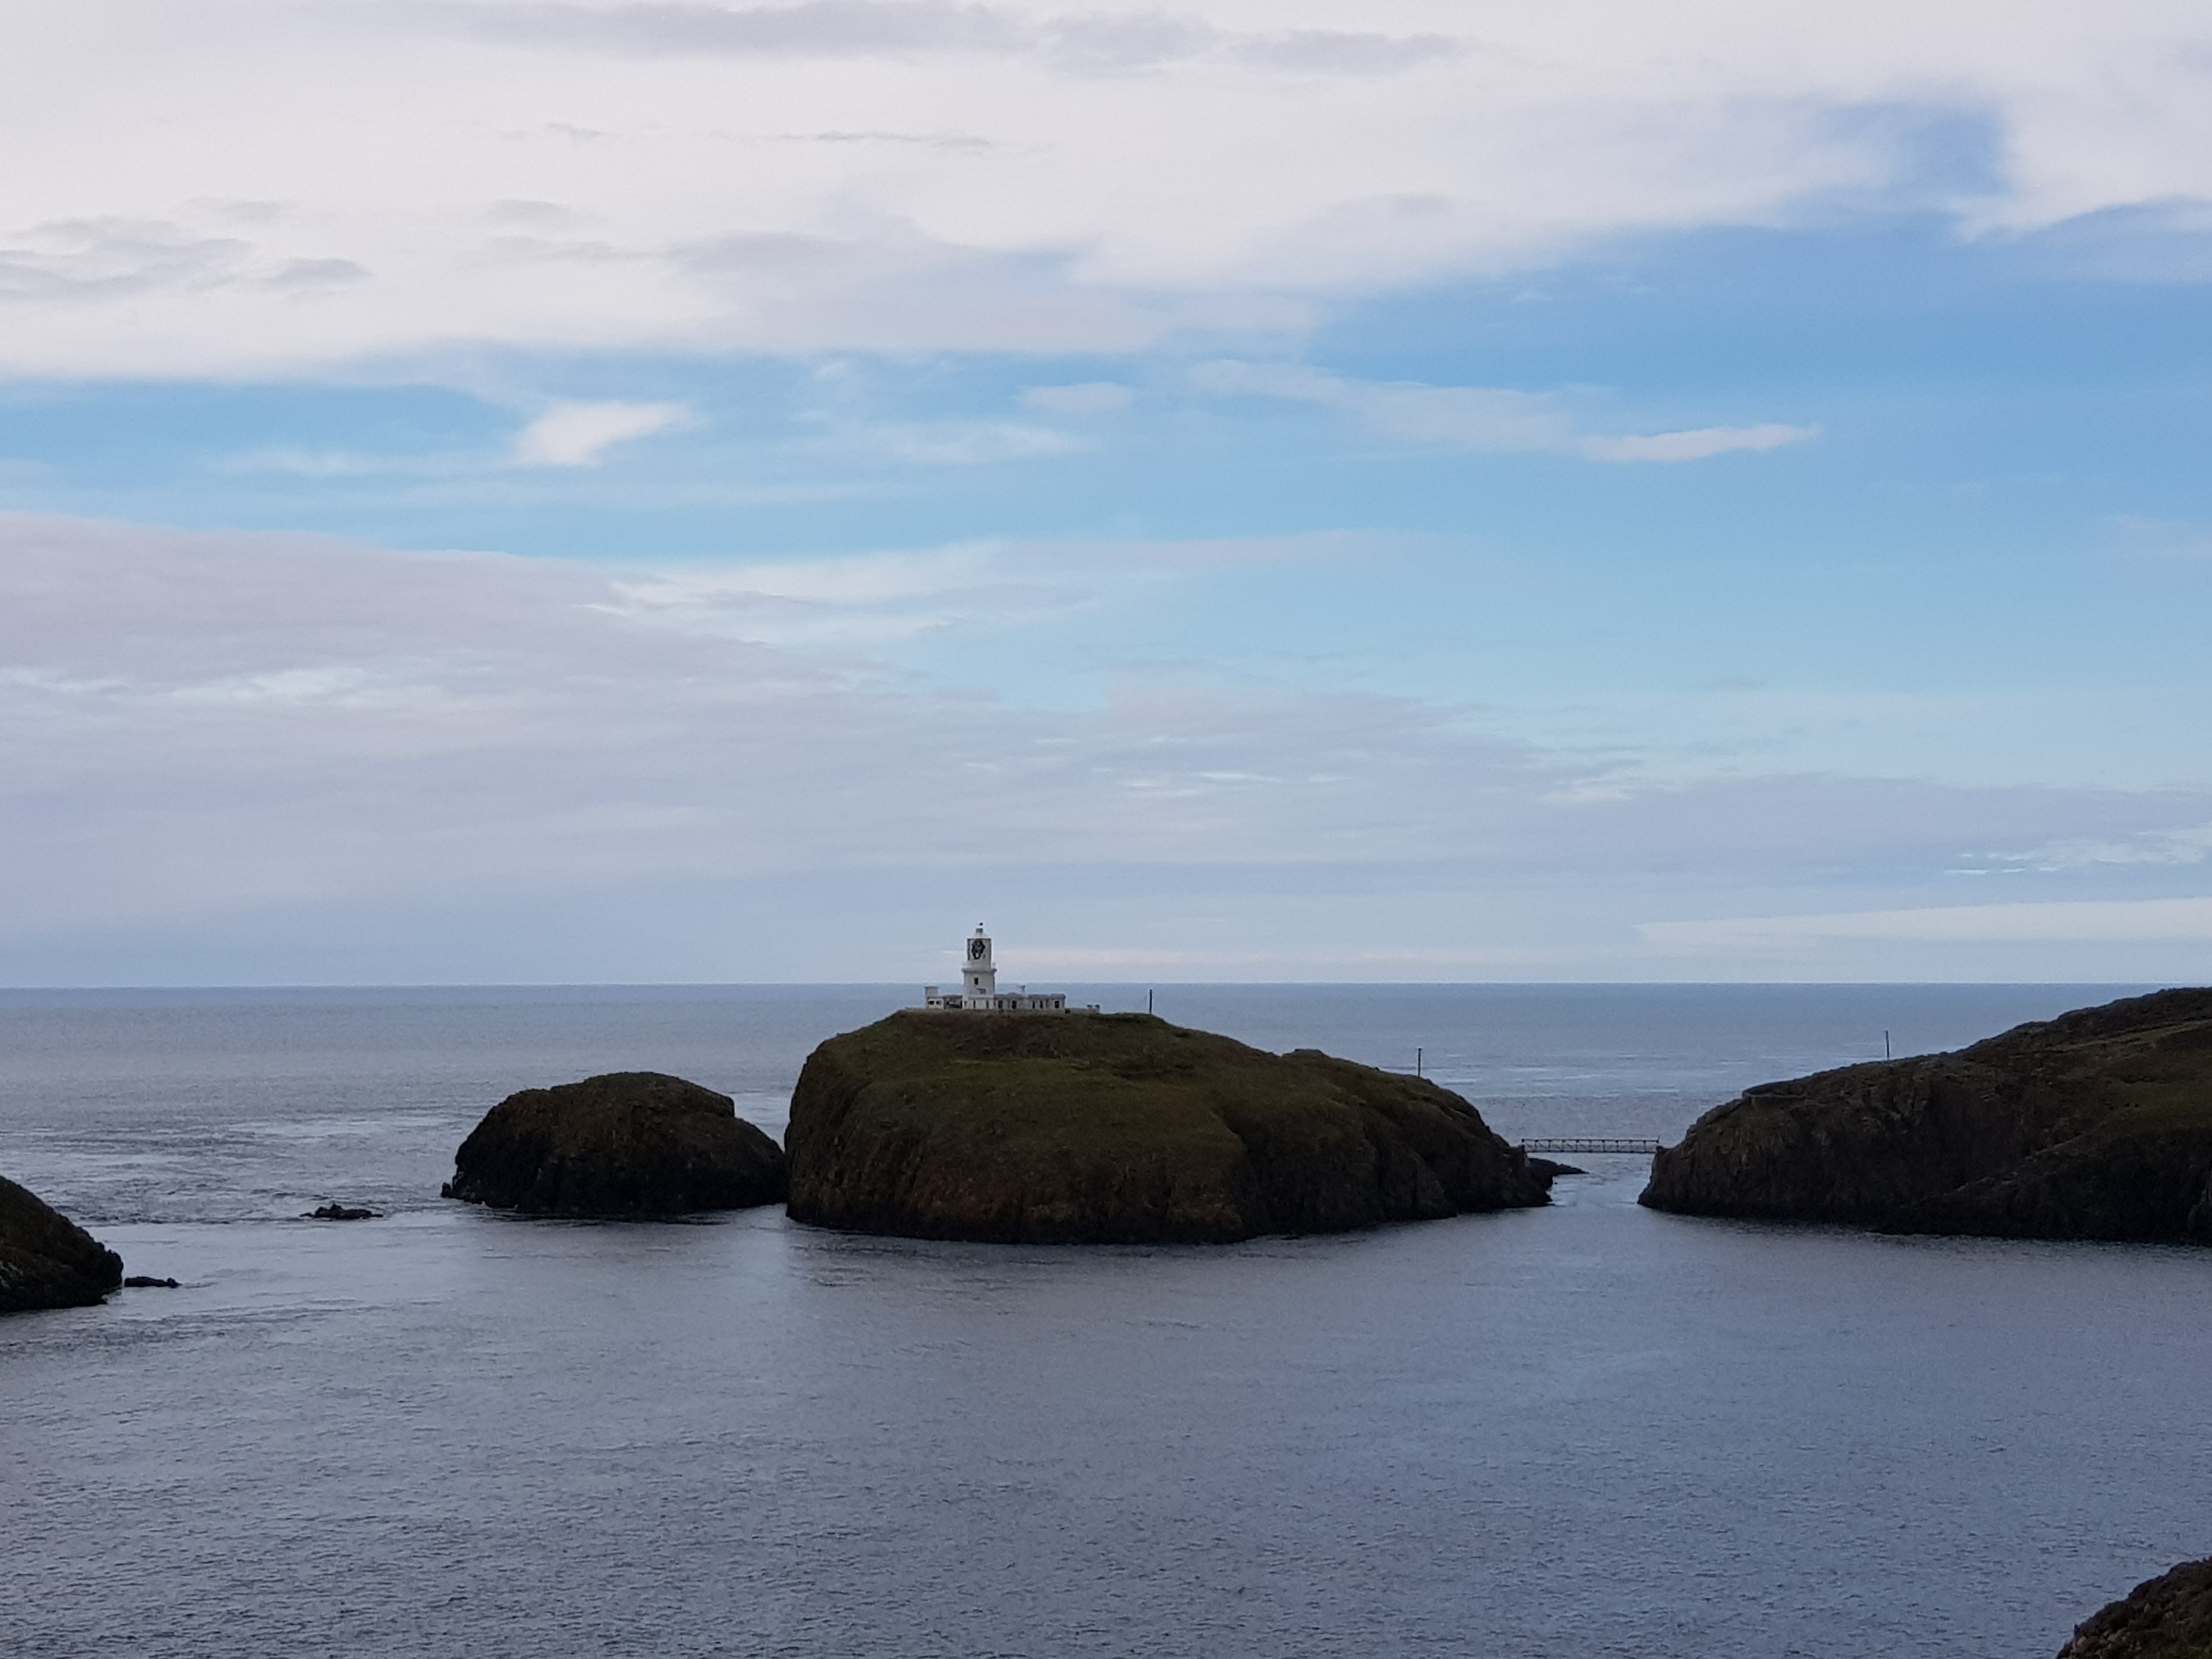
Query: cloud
column 2186, row 921
column 567, row 435
column 197, row 729
column 812, row 29
column 846, row 603
column 1480, row 417
column 1089, row 398
column 581, row 434
column 926, row 174
column 1089, row 40
column 360, row 463
column 506, row 767
column 849, row 603
column 82, row 261
column 967, row 443
column 1698, row 444
column 2153, row 847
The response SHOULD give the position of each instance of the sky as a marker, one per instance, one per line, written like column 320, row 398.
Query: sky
column 501, row 491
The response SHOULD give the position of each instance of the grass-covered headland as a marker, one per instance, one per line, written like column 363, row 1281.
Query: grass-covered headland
column 1122, row 1128
column 2094, row 1124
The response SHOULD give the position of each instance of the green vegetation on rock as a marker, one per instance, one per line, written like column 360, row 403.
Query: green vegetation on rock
column 2169, row 1617
column 624, row 1144
column 2094, row 1124
column 1122, row 1128
column 47, row 1260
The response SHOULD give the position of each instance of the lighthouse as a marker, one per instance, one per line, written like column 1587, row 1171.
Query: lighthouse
column 979, row 974
column 979, row 992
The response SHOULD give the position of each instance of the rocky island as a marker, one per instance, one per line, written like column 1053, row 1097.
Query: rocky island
column 1122, row 1128
column 624, row 1144
column 2094, row 1124
column 47, row 1260
column 2168, row 1617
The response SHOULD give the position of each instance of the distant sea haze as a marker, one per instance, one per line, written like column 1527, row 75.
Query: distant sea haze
column 1588, row 1428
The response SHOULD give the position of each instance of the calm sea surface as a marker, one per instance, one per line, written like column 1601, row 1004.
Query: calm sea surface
column 1587, row 1430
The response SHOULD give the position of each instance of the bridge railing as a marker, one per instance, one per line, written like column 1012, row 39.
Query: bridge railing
column 1587, row 1144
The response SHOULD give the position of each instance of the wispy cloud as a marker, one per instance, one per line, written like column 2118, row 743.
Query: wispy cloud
column 966, row 443
column 845, row 603
column 1696, row 444
column 1093, row 40
column 220, row 735
column 2187, row 920
column 329, row 464
column 567, row 435
column 2152, row 847
column 1481, row 417
column 1087, row 397
column 581, row 434
column 854, row 601
column 87, row 259
column 1060, row 176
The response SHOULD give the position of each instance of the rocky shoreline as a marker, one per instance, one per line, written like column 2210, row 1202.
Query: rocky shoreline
column 622, row 1144
column 1122, row 1128
column 2094, row 1124
column 2168, row 1617
column 47, row 1260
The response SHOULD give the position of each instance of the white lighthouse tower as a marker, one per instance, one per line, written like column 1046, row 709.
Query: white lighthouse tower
column 979, row 992
column 979, row 974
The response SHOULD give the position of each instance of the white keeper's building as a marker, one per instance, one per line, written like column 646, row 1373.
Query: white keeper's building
column 978, row 990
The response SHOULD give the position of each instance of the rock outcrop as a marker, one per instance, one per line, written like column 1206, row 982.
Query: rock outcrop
column 2094, row 1124
column 624, row 1144
column 47, row 1260
column 1122, row 1128
column 2169, row 1617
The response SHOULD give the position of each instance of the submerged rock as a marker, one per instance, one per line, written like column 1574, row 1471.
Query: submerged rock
column 343, row 1212
column 624, row 1144
column 47, row 1260
column 1122, row 1128
column 2094, row 1124
column 2169, row 1617
column 148, row 1282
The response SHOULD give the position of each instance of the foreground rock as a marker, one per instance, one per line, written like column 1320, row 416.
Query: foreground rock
column 2169, row 1617
column 2094, row 1124
column 1122, row 1128
column 47, row 1260
column 626, row 1144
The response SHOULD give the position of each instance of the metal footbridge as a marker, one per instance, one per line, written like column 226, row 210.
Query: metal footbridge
column 1587, row 1144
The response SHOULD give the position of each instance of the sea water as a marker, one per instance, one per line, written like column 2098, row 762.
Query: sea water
column 1583, row 1430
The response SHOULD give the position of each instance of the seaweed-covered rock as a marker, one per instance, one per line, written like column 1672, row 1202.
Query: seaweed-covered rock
column 2094, row 1124
column 624, row 1144
column 47, row 1260
column 2169, row 1617
column 1122, row 1128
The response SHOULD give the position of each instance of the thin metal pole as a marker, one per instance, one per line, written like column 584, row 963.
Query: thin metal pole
column 1885, row 1045
column 1148, row 1002
column 1417, row 1062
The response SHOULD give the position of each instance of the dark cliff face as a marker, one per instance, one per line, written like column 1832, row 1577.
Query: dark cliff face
column 47, row 1260
column 625, row 1144
column 2169, row 1617
column 2095, row 1125
column 1120, row 1128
